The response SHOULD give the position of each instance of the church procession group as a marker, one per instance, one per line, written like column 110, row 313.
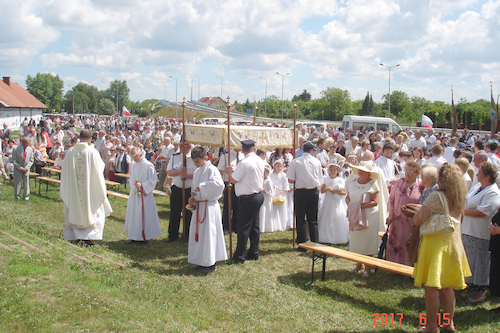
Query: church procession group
column 340, row 186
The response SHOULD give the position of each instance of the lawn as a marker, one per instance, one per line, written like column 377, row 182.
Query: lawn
column 157, row 291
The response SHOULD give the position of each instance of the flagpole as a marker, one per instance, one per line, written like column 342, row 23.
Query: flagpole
column 229, row 184
column 183, row 166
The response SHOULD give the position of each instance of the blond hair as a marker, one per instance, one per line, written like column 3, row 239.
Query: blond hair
column 452, row 184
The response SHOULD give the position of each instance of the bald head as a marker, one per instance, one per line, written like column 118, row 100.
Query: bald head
column 368, row 156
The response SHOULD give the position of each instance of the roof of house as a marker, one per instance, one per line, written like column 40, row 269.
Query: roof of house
column 14, row 96
column 209, row 100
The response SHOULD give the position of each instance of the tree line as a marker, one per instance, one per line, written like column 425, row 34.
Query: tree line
column 332, row 104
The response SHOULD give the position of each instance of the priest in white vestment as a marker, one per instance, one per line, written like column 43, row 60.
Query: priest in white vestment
column 206, row 237
column 141, row 221
column 83, row 192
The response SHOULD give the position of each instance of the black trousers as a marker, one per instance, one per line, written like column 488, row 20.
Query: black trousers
column 176, row 210
column 247, row 225
column 306, row 205
column 234, row 208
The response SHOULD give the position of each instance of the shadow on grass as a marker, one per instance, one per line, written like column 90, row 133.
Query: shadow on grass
column 303, row 280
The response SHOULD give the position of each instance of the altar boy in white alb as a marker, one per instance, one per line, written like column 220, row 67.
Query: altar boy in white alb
column 206, row 237
column 83, row 192
column 141, row 221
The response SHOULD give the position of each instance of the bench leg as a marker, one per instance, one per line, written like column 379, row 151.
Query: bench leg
column 39, row 186
column 47, row 189
column 312, row 269
column 324, row 268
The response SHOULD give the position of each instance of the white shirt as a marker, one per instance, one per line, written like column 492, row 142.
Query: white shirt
column 235, row 160
column 165, row 151
column 387, row 167
column 430, row 139
column 305, row 171
column 448, row 154
column 487, row 201
column 437, row 161
column 118, row 162
column 493, row 158
column 175, row 163
column 418, row 143
column 249, row 175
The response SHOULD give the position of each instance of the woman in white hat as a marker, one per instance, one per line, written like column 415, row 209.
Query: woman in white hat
column 366, row 241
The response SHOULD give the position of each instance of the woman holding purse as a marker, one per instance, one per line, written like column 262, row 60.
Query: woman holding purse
column 442, row 264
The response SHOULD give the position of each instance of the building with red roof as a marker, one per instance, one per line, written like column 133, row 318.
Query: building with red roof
column 16, row 103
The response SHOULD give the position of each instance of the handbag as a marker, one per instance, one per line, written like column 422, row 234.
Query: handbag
column 413, row 245
column 438, row 224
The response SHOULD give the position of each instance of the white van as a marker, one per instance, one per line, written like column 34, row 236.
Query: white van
column 378, row 123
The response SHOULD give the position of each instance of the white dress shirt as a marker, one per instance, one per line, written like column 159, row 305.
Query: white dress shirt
column 487, row 202
column 249, row 174
column 305, row 171
column 175, row 163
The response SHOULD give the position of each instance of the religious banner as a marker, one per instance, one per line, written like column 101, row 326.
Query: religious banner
column 204, row 135
column 216, row 135
column 265, row 137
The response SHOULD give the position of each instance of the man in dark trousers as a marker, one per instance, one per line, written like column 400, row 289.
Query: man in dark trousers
column 248, row 178
column 179, row 173
column 306, row 172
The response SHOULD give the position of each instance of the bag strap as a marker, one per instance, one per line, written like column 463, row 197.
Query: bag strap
column 444, row 202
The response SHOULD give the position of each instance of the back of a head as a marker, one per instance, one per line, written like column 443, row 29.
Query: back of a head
column 368, row 156
column 430, row 173
column 452, row 184
column 85, row 135
column 436, row 150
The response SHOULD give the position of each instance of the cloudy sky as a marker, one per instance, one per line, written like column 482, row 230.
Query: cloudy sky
column 320, row 43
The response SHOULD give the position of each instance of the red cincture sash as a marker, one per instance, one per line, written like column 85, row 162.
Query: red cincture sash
column 198, row 217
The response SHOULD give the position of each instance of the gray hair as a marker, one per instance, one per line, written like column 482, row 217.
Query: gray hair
column 430, row 172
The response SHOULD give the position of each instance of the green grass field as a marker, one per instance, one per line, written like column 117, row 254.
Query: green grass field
column 159, row 292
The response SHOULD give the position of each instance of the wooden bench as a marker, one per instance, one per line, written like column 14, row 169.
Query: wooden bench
column 112, row 183
column 161, row 193
column 324, row 251
column 116, row 194
column 47, row 180
column 50, row 170
column 123, row 175
column 49, row 161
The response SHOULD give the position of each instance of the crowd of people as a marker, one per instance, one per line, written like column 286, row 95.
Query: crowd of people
column 341, row 185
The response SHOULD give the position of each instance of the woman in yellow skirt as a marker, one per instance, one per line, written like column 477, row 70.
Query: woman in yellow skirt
column 442, row 264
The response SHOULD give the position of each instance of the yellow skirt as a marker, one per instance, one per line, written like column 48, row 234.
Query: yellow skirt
column 441, row 263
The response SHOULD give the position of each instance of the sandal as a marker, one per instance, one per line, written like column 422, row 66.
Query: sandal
column 365, row 274
column 424, row 329
column 479, row 299
column 448, row 328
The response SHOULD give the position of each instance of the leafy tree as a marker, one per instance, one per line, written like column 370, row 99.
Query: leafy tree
column 106, row 106
column 120, row 88
column 47, row 88
column 336, row 103
column 86, row 99
column 399, row 101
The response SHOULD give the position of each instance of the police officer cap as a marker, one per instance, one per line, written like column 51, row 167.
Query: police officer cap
column 309, row 145
column 247, row 143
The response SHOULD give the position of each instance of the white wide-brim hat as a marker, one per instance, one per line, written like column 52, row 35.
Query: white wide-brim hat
column 366, row 167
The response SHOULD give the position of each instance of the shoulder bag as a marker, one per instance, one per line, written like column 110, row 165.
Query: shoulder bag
column 438, row 224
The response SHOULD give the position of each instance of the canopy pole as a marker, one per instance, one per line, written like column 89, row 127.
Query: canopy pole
column 294, row 148
column 255, row 108
column 229, row 184
column 183, row 166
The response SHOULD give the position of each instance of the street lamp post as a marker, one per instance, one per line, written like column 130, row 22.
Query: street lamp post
column 165, row 89
column 192, row 80
column 175, row 95
column 389, row 105
column 117, row 98
column 73, row 93
column 221, row 83
column 198, row 85
column 265, row 98
column 282, row 75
